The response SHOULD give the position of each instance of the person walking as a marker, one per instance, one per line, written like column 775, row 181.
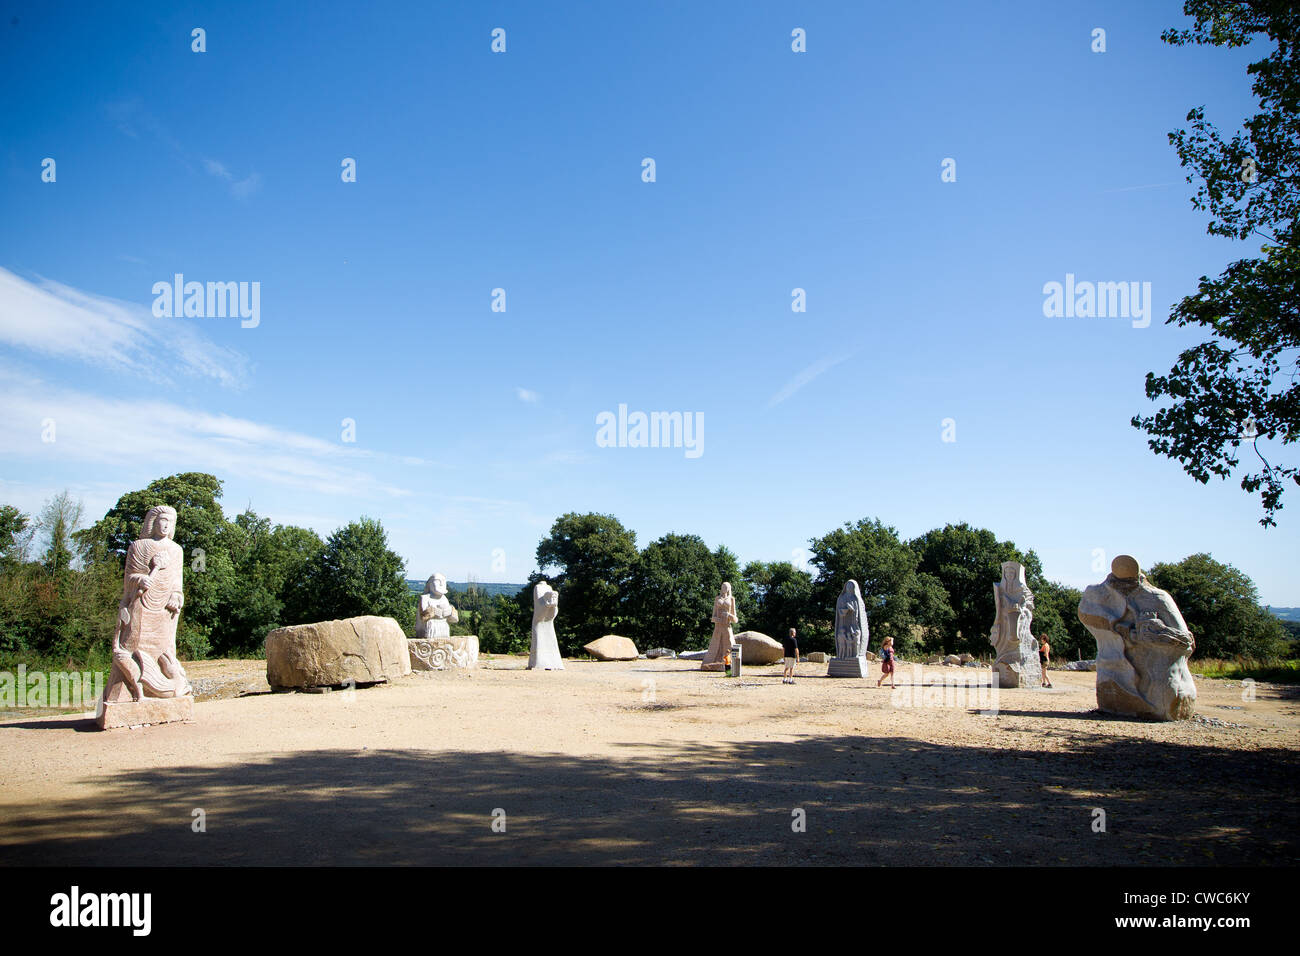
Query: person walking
column 887, row 661
column 791, row 647
column 1044, row 658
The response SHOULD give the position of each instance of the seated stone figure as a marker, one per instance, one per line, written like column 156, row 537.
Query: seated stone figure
column 433, row 648
column 436, row 614
column 1142, row 646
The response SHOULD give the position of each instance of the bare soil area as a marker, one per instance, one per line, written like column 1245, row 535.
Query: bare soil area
column 656, row 762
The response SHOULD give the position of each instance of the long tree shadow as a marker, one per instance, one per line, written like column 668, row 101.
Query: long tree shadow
column 820, row 800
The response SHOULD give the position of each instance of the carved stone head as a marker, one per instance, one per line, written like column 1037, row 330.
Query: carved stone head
column 159, row 522
column 1126, row 573
column 436, row 585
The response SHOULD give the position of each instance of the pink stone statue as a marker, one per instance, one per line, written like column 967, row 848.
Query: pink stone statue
column 724, row 615
column 144, row 645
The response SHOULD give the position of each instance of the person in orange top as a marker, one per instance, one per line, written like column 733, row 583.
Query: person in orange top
column 1044, row 658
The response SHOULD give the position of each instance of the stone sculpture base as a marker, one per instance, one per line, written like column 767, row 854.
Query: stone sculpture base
column 1026, row 673
column 150, row 710
column 443, row 653
column 847, row 667
column 1169, row 694
column 715, row 666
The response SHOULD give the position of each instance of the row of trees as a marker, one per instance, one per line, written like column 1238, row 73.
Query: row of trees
column 60, row 584
column 932, row 594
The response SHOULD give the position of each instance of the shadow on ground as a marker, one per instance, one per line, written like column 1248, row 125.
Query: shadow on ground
column 867, row 800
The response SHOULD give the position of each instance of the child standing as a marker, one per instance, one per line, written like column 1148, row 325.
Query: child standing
column 791, row 657
column 887, row 661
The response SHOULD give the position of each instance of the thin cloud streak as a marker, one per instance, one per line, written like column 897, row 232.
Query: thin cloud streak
column 90, row 429
column 60, row 321
column 808, row 375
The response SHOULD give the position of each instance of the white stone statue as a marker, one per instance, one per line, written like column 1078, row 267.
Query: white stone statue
column 851, row 634
column 724, row 615
column 436, row 614
column 1142, row 646
column 1017, row 662
column 147, row 683
column 544, row 653
column 433, row 648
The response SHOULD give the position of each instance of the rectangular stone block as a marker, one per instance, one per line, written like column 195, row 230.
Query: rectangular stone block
column 150, row 710
column 443, row 653
column 847, row 667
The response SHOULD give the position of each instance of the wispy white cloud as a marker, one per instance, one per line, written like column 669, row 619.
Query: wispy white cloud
column 58, row 320
column 132, row 119
column 807, row 375
column 239, row 188
column 525, row 395
column 168, row 438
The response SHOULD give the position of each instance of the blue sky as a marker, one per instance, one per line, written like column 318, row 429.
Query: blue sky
column 522, row 171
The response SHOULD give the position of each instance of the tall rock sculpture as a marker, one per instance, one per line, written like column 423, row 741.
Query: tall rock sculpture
column 544, row 653
column 1142, row 646
column 851, row 634
column 1017, row 662
column 724, row 615
column 147, row 684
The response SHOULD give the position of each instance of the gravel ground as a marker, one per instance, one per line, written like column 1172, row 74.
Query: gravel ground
column 656, row 762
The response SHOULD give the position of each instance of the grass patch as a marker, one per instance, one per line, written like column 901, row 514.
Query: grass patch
column 1274, row 671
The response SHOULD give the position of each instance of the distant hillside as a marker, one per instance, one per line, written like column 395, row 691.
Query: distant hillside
column 1286, row 613
column 491, row 590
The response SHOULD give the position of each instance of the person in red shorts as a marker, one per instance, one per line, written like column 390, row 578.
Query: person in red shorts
column 887, row 661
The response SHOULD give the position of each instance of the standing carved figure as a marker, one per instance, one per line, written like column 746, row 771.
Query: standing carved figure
column 724, row 615
column 544, row 653
column 145, row 667
column 1013, row 640
column 851, row 634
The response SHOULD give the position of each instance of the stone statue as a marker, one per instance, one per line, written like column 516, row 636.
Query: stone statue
column 851, row 634
column 1142, row 646
column 433, row 648
column 1017, row 661
column 147, row 684
column 436, row 615
column 724, row 615
column 545, row 651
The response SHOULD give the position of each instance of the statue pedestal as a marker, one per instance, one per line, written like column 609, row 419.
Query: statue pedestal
column 715, row 666
column 149, row 710
column 443, row 653
column 847, row 667
column 1022, row 673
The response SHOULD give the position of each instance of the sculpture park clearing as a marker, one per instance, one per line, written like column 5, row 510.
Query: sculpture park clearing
column 655, row 762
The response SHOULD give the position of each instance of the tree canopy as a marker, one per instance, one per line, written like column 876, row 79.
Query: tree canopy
column 1240, row 387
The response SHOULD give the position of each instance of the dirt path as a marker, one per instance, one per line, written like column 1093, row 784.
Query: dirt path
column 655, row 762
